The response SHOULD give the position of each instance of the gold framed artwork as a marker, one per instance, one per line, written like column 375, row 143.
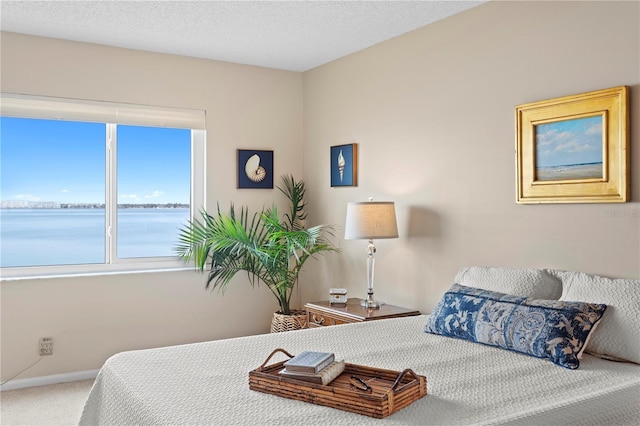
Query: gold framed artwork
column 574, row 149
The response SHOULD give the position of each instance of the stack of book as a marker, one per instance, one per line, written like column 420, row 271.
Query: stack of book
column 315, row 367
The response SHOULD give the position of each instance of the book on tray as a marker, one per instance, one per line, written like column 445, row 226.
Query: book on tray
column 309, row 361
column 315, row 367
column 323, row 377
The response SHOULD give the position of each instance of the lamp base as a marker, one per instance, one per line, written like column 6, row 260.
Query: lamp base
column 369, row 303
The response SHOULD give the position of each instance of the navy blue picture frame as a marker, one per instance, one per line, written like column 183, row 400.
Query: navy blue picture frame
column 344, row 165
column 255, row 169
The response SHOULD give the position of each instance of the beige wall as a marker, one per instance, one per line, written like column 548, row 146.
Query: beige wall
column 433, row 114
column 93, row 317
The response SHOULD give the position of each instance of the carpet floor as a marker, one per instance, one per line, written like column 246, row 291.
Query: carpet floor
column 51, row 405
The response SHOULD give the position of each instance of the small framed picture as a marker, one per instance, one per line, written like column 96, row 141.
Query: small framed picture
column 255, row 169
column 344, row 165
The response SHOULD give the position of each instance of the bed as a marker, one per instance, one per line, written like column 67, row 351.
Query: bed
column 468, row 382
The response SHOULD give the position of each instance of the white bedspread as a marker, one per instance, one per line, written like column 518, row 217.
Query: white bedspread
column 468, row 383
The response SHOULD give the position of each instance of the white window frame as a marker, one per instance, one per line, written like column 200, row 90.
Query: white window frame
column 112, row 114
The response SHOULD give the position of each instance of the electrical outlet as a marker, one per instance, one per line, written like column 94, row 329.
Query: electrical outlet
column 46, row 346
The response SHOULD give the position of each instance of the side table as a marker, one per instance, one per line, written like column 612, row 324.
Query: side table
column 322, row 314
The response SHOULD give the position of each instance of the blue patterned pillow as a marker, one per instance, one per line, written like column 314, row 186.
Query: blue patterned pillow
column 551, row 329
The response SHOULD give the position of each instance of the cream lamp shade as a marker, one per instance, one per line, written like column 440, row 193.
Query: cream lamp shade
column 371, row 220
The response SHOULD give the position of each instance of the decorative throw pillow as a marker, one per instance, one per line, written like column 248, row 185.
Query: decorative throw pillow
column 618, row 336
column 535, row 283
column 549, row 329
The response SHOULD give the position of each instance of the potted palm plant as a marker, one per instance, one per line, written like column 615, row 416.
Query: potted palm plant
column 269, row 248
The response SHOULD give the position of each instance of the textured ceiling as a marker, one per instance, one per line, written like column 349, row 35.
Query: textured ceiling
column 290, row 35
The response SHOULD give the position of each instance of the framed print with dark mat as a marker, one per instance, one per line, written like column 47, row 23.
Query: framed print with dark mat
column 344, row 165
column 255, row 169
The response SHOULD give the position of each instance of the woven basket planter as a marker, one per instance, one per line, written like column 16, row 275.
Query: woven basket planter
column 296, row 321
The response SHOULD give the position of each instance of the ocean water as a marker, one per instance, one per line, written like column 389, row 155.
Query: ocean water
column 570, row 172
column 42, row 237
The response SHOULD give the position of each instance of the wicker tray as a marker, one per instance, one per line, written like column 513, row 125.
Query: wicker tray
column 390, row 390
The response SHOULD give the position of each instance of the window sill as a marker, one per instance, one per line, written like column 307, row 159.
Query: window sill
column 35, row 273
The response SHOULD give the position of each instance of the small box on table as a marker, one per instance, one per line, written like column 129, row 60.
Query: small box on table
column 337, row 296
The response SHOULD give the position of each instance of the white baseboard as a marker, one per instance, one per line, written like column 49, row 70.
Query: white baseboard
column 49, row 380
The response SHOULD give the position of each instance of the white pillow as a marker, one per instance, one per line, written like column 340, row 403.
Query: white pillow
column 618, row 334
column 535, row 283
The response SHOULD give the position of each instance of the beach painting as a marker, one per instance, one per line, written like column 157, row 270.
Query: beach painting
column 569, row 149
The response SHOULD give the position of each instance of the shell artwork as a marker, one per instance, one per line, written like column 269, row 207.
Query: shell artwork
column 341, row 164
column 254, row 171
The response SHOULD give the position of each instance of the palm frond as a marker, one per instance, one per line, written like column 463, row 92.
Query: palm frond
column 295, row 192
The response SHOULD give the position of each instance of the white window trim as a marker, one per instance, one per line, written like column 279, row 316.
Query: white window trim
column 26, row 106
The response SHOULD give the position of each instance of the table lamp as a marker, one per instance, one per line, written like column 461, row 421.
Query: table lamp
column 370, row 220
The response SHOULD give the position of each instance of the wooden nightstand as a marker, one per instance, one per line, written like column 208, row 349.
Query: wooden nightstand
column 321, row 314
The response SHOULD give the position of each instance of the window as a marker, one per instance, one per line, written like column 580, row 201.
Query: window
column 153, row 189
column 95, row 187
column 52, row 182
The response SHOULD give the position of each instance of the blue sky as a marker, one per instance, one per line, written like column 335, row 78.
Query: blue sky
column 51, row 160
column 569, row 142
